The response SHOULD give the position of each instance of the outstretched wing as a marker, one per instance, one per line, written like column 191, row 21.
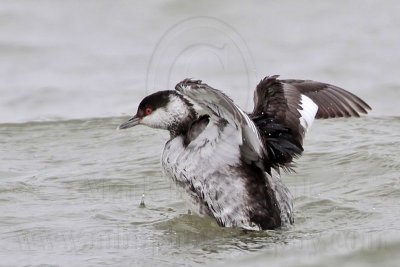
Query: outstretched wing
column 332, row 101
column 217, row 104
column 285, row 109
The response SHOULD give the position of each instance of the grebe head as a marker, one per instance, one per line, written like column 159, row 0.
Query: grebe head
column 166, row 110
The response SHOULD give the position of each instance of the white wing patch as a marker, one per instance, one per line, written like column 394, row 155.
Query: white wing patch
column 308, row 111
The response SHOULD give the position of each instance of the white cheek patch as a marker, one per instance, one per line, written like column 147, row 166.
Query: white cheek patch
column 157, row 119
column 308, row 111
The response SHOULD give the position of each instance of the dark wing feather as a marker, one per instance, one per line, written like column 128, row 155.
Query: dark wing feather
column 276, row 116
column 333, row 101
column 284, row 110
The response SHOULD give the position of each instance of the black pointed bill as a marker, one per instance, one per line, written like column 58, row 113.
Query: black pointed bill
column 132, row 122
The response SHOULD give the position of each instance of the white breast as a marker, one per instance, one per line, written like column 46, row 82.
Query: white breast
column 206, row 169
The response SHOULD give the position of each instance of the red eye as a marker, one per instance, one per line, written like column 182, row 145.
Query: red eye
column 148, row 111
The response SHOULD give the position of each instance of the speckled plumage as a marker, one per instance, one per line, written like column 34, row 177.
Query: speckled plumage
column 228, row 161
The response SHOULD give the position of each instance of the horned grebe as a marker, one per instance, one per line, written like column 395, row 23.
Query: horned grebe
column 229, row 161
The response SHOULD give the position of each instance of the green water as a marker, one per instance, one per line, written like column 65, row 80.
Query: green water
column 71, row 193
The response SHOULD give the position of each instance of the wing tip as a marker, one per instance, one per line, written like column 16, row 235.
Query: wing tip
column 188, row 82
column 343, row 104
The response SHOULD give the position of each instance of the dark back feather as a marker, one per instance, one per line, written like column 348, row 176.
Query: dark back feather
column 277, row 113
